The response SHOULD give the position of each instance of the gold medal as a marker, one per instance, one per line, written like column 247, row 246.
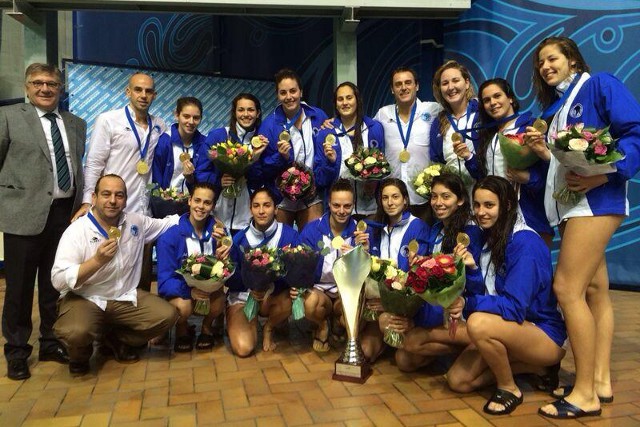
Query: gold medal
column 142, row 167
column 413, row 246
column 330, row 139
column 456, row 137
column 337, row 242
column 284, row 136
column 226, row 241
column 540, row 125
column 404, row 156
column 184, row 156
column 114, row 233
column 361, row 226
column 256, row 142
column 463, row 239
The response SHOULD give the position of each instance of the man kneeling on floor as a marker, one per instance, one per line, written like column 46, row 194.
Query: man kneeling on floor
column 97, row 269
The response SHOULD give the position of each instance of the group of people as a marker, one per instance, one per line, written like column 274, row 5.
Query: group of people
column 510, row 322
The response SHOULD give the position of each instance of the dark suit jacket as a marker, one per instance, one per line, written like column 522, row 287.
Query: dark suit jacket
column 26, row 171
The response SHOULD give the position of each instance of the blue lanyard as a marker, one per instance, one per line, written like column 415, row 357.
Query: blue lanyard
column 553, row 108
column 141, row 149
column 288, row 124
column 405, row 140
column 504, row 120
column 454, row 124
column 267, row 238
column 98, row 226
column 206, row 234
column 344, row 132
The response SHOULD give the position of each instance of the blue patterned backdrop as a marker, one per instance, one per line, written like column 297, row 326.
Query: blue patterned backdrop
column 493, row 38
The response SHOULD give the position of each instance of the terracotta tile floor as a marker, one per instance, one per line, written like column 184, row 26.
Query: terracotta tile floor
column 289, row 387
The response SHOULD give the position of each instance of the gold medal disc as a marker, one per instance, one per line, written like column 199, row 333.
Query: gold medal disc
column 463, row 239
column 337, row 242
column 184, row 156
column 330, row 139
column 456, row 137
column 256, row 142
column 413, row 246
column 226, row 241
column 284, row 136
column 142, row 167
column 361, row 226
column 540, row 125
column 404, row 156
column 114, row 233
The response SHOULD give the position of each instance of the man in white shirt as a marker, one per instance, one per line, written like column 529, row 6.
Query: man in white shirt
column 406, row 133
column 123, row 142
column 97, row 269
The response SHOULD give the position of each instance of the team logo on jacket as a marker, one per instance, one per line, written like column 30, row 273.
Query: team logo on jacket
column 404, row 251
column 373, row 143
column 134, row 230
column 576, row 111
column 315, row 131
column 426, row 116
column 156, row 128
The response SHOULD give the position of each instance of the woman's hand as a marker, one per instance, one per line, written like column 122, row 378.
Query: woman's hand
column 536, row 141
column 455, row 309
column 258, row 295
column 222, row 252
column 400, row 324
column 462, row 252
column 329, row 152
column 520, row 176
column 374, row 304
column 188, row 168
column 198, row 294
column 284, row 148
column 461, row 150
column 582, row 184
column 227, row 180
column 361, row 238
column 258, row 151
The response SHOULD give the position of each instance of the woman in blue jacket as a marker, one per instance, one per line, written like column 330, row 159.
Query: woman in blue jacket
column 275, row 305
column 350, row 130
column 194, row 234
column 244, row 120
column 512, row 316
column 570, row 95
column 291, row 129
column 178, row 151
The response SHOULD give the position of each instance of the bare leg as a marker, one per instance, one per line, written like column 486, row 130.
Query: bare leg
column 307, row 215
column 185, row 308
column 421, row 345
column 216, row 304
column 243, row 335
column 371, row 341
column 285, row 217
column 318, row 307
column 278, row 309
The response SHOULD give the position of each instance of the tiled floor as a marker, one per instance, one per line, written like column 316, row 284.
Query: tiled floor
column 291, row 386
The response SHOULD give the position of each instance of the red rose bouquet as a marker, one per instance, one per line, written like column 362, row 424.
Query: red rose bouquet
column 234, row 159
column 260, row 268
column 296, row 182
column 516, row 153
column 368, row 163
column 439, row 279
column 300, row 264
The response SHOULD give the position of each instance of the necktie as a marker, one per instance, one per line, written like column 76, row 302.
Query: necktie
column 62, row 168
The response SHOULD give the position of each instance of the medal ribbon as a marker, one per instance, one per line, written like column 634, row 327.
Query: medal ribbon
column 141, row 149
column 98, row 226
column 405, row 139
column 454, row 124
column 553, row 108
column 288, row 124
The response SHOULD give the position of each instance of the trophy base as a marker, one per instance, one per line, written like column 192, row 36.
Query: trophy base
column 352, row 373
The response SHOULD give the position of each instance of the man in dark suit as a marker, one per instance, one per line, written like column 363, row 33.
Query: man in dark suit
column 41, row 182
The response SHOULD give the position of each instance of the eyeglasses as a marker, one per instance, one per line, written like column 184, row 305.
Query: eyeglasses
column 39, row 83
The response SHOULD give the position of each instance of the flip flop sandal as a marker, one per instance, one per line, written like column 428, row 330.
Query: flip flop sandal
column 183, row 344
column 567, row 389
column 567, row 411
column 204, row 342
column 505, row 398
column 321, row 346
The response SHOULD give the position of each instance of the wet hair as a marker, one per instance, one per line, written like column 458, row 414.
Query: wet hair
column 38, row 67
column 546, row 94
column 234, row 104
column 486, row 134
column 265, row 190
column 204, row 185
column 96, row 189
column 357, row 131
column 437, row 93
column 500, row 233
column 188, row 100
column 404, row 69
column 287, row 73
column 461, row 216
column 380, row 215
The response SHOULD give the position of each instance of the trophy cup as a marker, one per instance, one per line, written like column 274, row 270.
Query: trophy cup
column 349, row 271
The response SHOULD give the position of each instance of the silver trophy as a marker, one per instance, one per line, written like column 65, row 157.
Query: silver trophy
column 350, row 271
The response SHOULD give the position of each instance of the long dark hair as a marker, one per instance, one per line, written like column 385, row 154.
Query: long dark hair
column 357, row 131
column 380, row 215
column 500, row 233
column 486, row 134
column 546, row 94
column 234, row 104
column 461, row 216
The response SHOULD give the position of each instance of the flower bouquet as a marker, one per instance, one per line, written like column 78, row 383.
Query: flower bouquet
column 300, row 264
column 368, row 163
column 516, row 153
column 234, row 159
column 422, row 182
column 167, row 201
column 585, row 151
column 397, row 298
column 296, row 182
column 260, row 268
column 206, row 273
column 371, row 290
column 439, row 279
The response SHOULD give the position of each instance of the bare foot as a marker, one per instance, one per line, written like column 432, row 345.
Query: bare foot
column 267, row 338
